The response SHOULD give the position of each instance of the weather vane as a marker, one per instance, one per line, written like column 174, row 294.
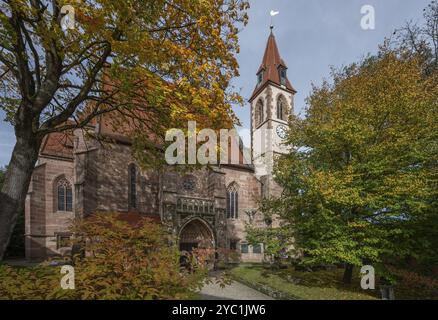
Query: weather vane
column 273, row 13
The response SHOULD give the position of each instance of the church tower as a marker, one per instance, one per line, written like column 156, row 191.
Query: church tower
column 271, row 104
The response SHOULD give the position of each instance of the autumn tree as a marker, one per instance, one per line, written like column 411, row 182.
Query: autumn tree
column 420, row 40
column 64, row 63
column 361, row 180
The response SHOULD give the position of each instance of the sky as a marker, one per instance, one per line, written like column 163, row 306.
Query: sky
column 312, row 35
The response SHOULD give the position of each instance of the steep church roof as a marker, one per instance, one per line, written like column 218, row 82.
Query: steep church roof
column 58, row 144
column 270, row 66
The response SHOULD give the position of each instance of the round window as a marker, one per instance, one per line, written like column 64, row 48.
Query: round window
column 189, row 183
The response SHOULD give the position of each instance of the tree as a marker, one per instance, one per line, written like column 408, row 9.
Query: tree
column 16, row 245
column 277, row 242
column 2, row 176
column 420, row 40
column 154, row 64
column 361, row 179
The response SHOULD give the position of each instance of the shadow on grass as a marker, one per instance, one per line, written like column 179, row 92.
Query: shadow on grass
column 320, row 284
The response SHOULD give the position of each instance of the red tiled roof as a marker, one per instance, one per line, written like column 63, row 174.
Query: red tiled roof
column 269, row 66
column 58, row 144
column 118, row 128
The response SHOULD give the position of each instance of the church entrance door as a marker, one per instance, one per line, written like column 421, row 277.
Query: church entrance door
column 196, row 234
column 187, row 246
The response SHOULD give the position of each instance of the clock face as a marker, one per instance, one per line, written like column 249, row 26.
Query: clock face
column 282, row 131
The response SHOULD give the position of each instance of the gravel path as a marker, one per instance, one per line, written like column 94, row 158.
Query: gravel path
column 234, row 291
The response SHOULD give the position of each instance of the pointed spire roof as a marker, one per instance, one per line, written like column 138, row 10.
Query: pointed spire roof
column 270, row 67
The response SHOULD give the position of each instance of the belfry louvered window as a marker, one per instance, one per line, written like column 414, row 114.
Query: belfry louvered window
column 232, row 202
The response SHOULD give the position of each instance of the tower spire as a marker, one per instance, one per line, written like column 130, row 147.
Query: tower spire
column 271, row 66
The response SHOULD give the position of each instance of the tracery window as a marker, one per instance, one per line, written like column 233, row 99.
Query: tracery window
column 64, row 196
column 232, row 202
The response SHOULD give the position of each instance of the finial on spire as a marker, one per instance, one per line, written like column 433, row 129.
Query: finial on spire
column 273, row 13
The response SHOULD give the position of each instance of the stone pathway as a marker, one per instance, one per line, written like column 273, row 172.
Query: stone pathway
column 234, row 291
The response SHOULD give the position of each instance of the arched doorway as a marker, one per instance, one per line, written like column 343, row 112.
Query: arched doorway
column 196, row 234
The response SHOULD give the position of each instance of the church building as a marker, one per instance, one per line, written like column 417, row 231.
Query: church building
column 76, row 176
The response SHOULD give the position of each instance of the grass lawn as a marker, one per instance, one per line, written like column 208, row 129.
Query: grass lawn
column 316, row 285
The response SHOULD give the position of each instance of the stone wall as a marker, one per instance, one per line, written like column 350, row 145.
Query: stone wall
column 99, row 175
column 249, row 189
column 43, row 220
column 108, row 170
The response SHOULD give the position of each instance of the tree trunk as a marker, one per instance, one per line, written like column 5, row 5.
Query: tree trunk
column 348, row 274
column 16, row 184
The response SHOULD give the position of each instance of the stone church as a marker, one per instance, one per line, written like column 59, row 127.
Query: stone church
column 76, row 176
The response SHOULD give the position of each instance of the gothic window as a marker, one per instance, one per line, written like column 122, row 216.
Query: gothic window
column 259, row 112
column 132, row 187
column 281, row 108
column 65, row 196
column 282, row 75
column 232, row 202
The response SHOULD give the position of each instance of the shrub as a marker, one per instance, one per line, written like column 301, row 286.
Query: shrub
column 29, row 283
column 411, row 285
column 120, row 260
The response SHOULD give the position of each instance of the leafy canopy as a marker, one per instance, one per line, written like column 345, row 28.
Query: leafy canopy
column 154, row 64
column 360, row 183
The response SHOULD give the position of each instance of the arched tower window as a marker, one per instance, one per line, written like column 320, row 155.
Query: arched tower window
column 64, row 195
column 281, row 108
column 259, row 113
column 132, row 186
column 232, row 202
